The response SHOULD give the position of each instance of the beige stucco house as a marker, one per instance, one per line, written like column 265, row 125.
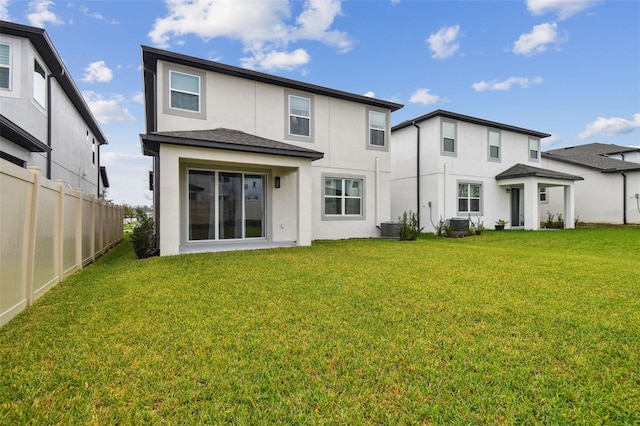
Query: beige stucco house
column 244, row 159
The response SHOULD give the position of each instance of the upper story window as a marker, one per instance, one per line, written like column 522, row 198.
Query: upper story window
column 39, row 84
column 494, row 145
column 299, row 116
column 469, row 197
column 343, row 197
column 185, row 91
column 448, row 137
column 5, row 66
column 534, row 149
column 377, row 128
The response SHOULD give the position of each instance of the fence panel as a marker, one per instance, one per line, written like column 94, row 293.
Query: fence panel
column 47, row 232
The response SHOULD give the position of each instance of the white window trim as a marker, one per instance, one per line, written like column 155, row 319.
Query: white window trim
column 9, row 66
column 43, row 104
column 499, row 157
column 387, row 131
column 166, row 92
column 480, row 199
column 537, row 158
column 453, row 153
column 198, row 94
column 287, row 117
column 291, row 114
column 343, row 177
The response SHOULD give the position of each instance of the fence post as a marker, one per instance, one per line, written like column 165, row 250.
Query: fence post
column 31, row 241
column 59, row 234
column 92, row 237
column 79, row 228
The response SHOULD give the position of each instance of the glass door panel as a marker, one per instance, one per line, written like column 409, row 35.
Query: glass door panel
column 254, row 206
column 230, row 205
column 201, row 205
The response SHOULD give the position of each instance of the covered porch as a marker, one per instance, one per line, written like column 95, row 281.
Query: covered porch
column 523, row 183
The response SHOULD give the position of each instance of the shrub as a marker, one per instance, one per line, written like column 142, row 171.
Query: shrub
column 409, row 229
column 142, row 237
column 473, row 228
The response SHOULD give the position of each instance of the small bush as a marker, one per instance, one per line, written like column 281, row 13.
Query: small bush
column 142, row 237
column 409, row 229
column 473, row 228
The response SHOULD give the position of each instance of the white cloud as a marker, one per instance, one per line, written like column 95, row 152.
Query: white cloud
column 85, row 11
column 504, row 85
column 128, row 177
column 97, row 71
column 39, row 13
column 108, row 110
column 610, row 127
column 538, row 40
column 443, row 43
column 370, row 94
column 422, row 96
column 277, row 60
column 562, row 8
column 265, row 28
column 139, row 98
column 4, row 10
column 551, row 140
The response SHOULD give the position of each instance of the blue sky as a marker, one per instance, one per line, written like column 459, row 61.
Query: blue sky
column 568, row 68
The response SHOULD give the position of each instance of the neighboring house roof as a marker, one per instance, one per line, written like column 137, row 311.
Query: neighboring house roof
column 594, row 156
column 150, row 57
column 17, row 135
column 228, row 139
column 47, row 51
column 460, row 117
column 522, row 170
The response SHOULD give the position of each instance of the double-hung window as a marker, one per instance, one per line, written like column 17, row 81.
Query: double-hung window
column 534, row 149
column 377, row 128
column 448, row 137
column 299, row 116
column 494, row 145
column 343, row 197
column 5, row 66
column 39, row 84
column 185, row 91
column 469, row 197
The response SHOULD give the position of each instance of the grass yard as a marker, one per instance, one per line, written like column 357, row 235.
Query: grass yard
column 507, row 327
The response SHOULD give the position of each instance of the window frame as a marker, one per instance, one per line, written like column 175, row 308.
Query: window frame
column 173, row 90
column 543, row 195
column 39, row 87
column 490, row 145
column 386, row 131
column 166, row 99
column 287, row 116
column 453, row 153
column 344, row 178
column 537, row 150
column 468, row 212
column 8, row 67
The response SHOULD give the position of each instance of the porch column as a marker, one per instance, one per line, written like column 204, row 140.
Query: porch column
column 170, row 206
column 531, row 208
column 304, row 205
column 569, row 207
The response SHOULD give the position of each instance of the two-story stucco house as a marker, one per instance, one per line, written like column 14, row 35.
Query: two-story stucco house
column 447, row 165
column 610, row 192
column 244, row 159
column 44, row 121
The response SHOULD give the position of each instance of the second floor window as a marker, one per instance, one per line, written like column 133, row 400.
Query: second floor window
column 5, row 66
column 185, row 91
column 39, row 84
column 494, row 145
column 299, row 116
column 534, row 149
column 377, row 128
column 448, row 137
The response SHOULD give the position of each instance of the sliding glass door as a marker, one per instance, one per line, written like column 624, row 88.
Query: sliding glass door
column 226, row 205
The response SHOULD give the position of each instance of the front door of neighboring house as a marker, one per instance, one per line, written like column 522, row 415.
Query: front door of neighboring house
column 517, row 207
column 226, row 205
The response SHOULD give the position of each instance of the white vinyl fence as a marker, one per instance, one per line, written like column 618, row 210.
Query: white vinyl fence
column 47, row 232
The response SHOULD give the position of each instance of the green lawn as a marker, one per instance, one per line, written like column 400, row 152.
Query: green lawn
column 507, row 327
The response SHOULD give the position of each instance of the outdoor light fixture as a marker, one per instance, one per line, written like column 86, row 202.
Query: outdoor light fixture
column 508, row 190
column 277, row 183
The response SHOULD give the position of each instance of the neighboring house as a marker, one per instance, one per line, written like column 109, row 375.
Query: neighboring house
column 447, row 165
column 44, row 121
column 610, row 192
column 244, row 159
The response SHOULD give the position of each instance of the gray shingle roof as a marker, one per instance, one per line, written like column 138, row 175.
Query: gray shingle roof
column 522, row 170
column 227, row 139
column 594, row 156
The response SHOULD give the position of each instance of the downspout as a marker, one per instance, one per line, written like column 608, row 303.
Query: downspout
column 624, row 198
column 377, row 190
column 49, row 118
column 417, row 171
